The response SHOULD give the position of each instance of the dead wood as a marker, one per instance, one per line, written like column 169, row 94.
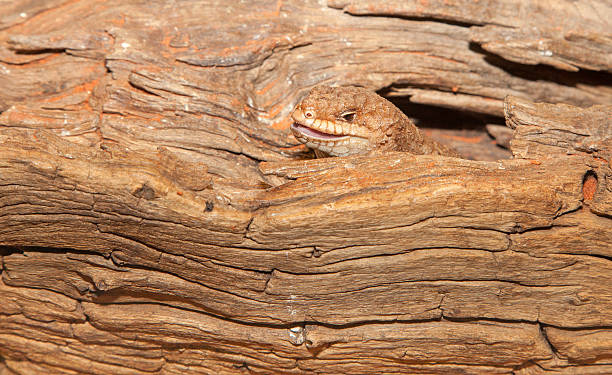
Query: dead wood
column 156, row 215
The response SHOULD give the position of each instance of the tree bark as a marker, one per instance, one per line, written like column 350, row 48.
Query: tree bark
column 157, row 216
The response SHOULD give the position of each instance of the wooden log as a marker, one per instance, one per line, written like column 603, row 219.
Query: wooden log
column 156, row 215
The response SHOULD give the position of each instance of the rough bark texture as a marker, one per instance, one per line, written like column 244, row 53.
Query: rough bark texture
column 156, row 216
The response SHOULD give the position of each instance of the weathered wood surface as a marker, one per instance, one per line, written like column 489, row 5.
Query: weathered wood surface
column 155, row 218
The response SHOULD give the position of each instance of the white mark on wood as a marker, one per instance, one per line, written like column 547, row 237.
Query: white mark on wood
column 396, row 162
column 542, row 51
column 292, row 311
column 125, row 45
column 296, row 335
column 23, row 15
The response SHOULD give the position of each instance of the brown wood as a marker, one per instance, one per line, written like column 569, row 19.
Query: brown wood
column 157, row 216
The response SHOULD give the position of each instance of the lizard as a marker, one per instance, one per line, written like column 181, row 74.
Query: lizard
column 349, row 120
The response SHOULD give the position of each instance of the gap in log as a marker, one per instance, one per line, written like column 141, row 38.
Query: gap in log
column 547, row 73
column 465, row 131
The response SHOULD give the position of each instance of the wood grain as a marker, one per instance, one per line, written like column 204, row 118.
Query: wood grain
column 156, row 215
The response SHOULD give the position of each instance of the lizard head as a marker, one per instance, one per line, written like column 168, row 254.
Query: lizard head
column 341, row 121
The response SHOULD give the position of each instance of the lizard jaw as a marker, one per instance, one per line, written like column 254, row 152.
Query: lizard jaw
column 331, row 137
column 331, row 144
column 336, row 145
column 303, row 131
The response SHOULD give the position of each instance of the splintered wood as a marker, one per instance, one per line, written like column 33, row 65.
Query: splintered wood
column 157, row 216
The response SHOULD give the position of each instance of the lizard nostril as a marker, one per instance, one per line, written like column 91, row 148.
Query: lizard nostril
column 308, row 114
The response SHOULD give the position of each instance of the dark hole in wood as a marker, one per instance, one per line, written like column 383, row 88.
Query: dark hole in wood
column 209, row 206
column 541, row 72
column 463, row 130
column 431, row 116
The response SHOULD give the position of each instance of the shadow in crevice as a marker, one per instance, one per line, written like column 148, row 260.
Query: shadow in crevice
column 424, row 18
column 541, row 72
column 465, row 131
column 431, row 116
column 9, row 250
column 36, row 51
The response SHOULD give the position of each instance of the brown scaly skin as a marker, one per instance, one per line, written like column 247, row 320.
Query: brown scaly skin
column 341, row 121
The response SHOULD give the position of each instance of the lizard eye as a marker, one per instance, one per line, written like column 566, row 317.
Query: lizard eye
column 308, row 114
column 348, row 116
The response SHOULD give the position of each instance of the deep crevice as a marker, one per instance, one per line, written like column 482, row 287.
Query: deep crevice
column 545, row 337
column 514, row 321
column 450, row 125
column 541, row 72
column 35, row 51
column 600, row 256
column 576, row 329
column 428, row 18
column 487, row 320
column 8, row 250
column 432, row 116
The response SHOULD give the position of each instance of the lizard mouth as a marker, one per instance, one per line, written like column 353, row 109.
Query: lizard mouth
column 313, row 133
column 334, row 138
